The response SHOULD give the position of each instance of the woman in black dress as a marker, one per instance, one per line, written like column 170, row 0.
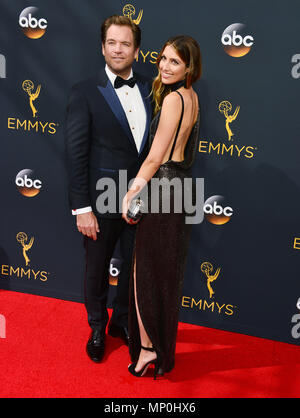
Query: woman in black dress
column 162, row 238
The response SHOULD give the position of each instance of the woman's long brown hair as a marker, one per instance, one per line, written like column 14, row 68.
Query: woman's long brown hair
column 188, row 50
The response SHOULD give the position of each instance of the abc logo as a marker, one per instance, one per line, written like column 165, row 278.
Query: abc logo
column 32, row 26
column 216, row 211
column 235, row 40
column 114, row 270
column 26, row 184
column 296, row 320
column 296, row 67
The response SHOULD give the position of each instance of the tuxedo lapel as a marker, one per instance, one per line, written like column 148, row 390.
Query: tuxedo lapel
column 108, row 92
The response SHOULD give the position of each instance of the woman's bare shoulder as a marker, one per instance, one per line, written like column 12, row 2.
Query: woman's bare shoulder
column 171, row 99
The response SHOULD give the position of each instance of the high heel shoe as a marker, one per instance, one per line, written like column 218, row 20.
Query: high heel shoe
column 141, row 372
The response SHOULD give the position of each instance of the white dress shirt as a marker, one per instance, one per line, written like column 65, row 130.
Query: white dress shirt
column 133, row 106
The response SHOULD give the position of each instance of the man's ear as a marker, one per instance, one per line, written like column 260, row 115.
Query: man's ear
column 136, row 53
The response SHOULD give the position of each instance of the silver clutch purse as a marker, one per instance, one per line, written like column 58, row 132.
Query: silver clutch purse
column 135, row 210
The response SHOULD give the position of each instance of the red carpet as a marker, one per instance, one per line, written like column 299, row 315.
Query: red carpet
column 43, row 355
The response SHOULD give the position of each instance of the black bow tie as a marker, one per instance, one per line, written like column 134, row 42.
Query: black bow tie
column 120, row 82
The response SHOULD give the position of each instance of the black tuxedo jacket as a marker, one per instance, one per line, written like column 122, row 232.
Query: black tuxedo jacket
column 99, row 141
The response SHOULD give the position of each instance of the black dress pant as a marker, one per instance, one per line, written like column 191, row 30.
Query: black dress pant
column 98, row 255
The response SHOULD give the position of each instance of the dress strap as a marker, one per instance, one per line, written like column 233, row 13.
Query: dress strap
column 179, row 125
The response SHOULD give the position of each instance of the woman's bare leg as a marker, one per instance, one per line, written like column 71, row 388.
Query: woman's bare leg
column 145, row 356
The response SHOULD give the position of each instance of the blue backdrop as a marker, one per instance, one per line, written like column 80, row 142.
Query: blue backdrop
column 243, row 263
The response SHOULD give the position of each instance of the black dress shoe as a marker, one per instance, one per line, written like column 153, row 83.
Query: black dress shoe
column 117, row 331
column 95, row 346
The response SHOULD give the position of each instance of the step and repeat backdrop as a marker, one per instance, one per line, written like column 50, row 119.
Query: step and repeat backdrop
column 243, row 263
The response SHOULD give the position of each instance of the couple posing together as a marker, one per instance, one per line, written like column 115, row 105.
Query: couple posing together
column 115, row 121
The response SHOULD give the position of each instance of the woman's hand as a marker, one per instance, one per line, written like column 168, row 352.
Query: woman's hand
column 125, row 206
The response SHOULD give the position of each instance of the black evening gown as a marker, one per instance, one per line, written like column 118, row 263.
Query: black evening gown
column 161, row 249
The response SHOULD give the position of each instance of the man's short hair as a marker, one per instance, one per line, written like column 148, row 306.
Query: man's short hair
column 121, row 21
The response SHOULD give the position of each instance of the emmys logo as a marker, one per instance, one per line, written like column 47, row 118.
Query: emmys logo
column 2, row 66
column 129, row 11
column 22, row 239
column 296, row 245
column 207, row 269
column 26, row 184
column 225, row 107
column 27, row 124
column 235, row 41
column 32, row 26
column 149, row 56
column 216, row 212
column 224, row 149
column 28, row 87
column 11, row 272
column 296, row 68
column 211, row 305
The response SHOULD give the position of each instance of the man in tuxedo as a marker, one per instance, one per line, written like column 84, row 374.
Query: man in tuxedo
column 107, row 124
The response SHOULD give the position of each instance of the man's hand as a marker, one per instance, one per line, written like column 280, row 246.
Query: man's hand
column 87, row 224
